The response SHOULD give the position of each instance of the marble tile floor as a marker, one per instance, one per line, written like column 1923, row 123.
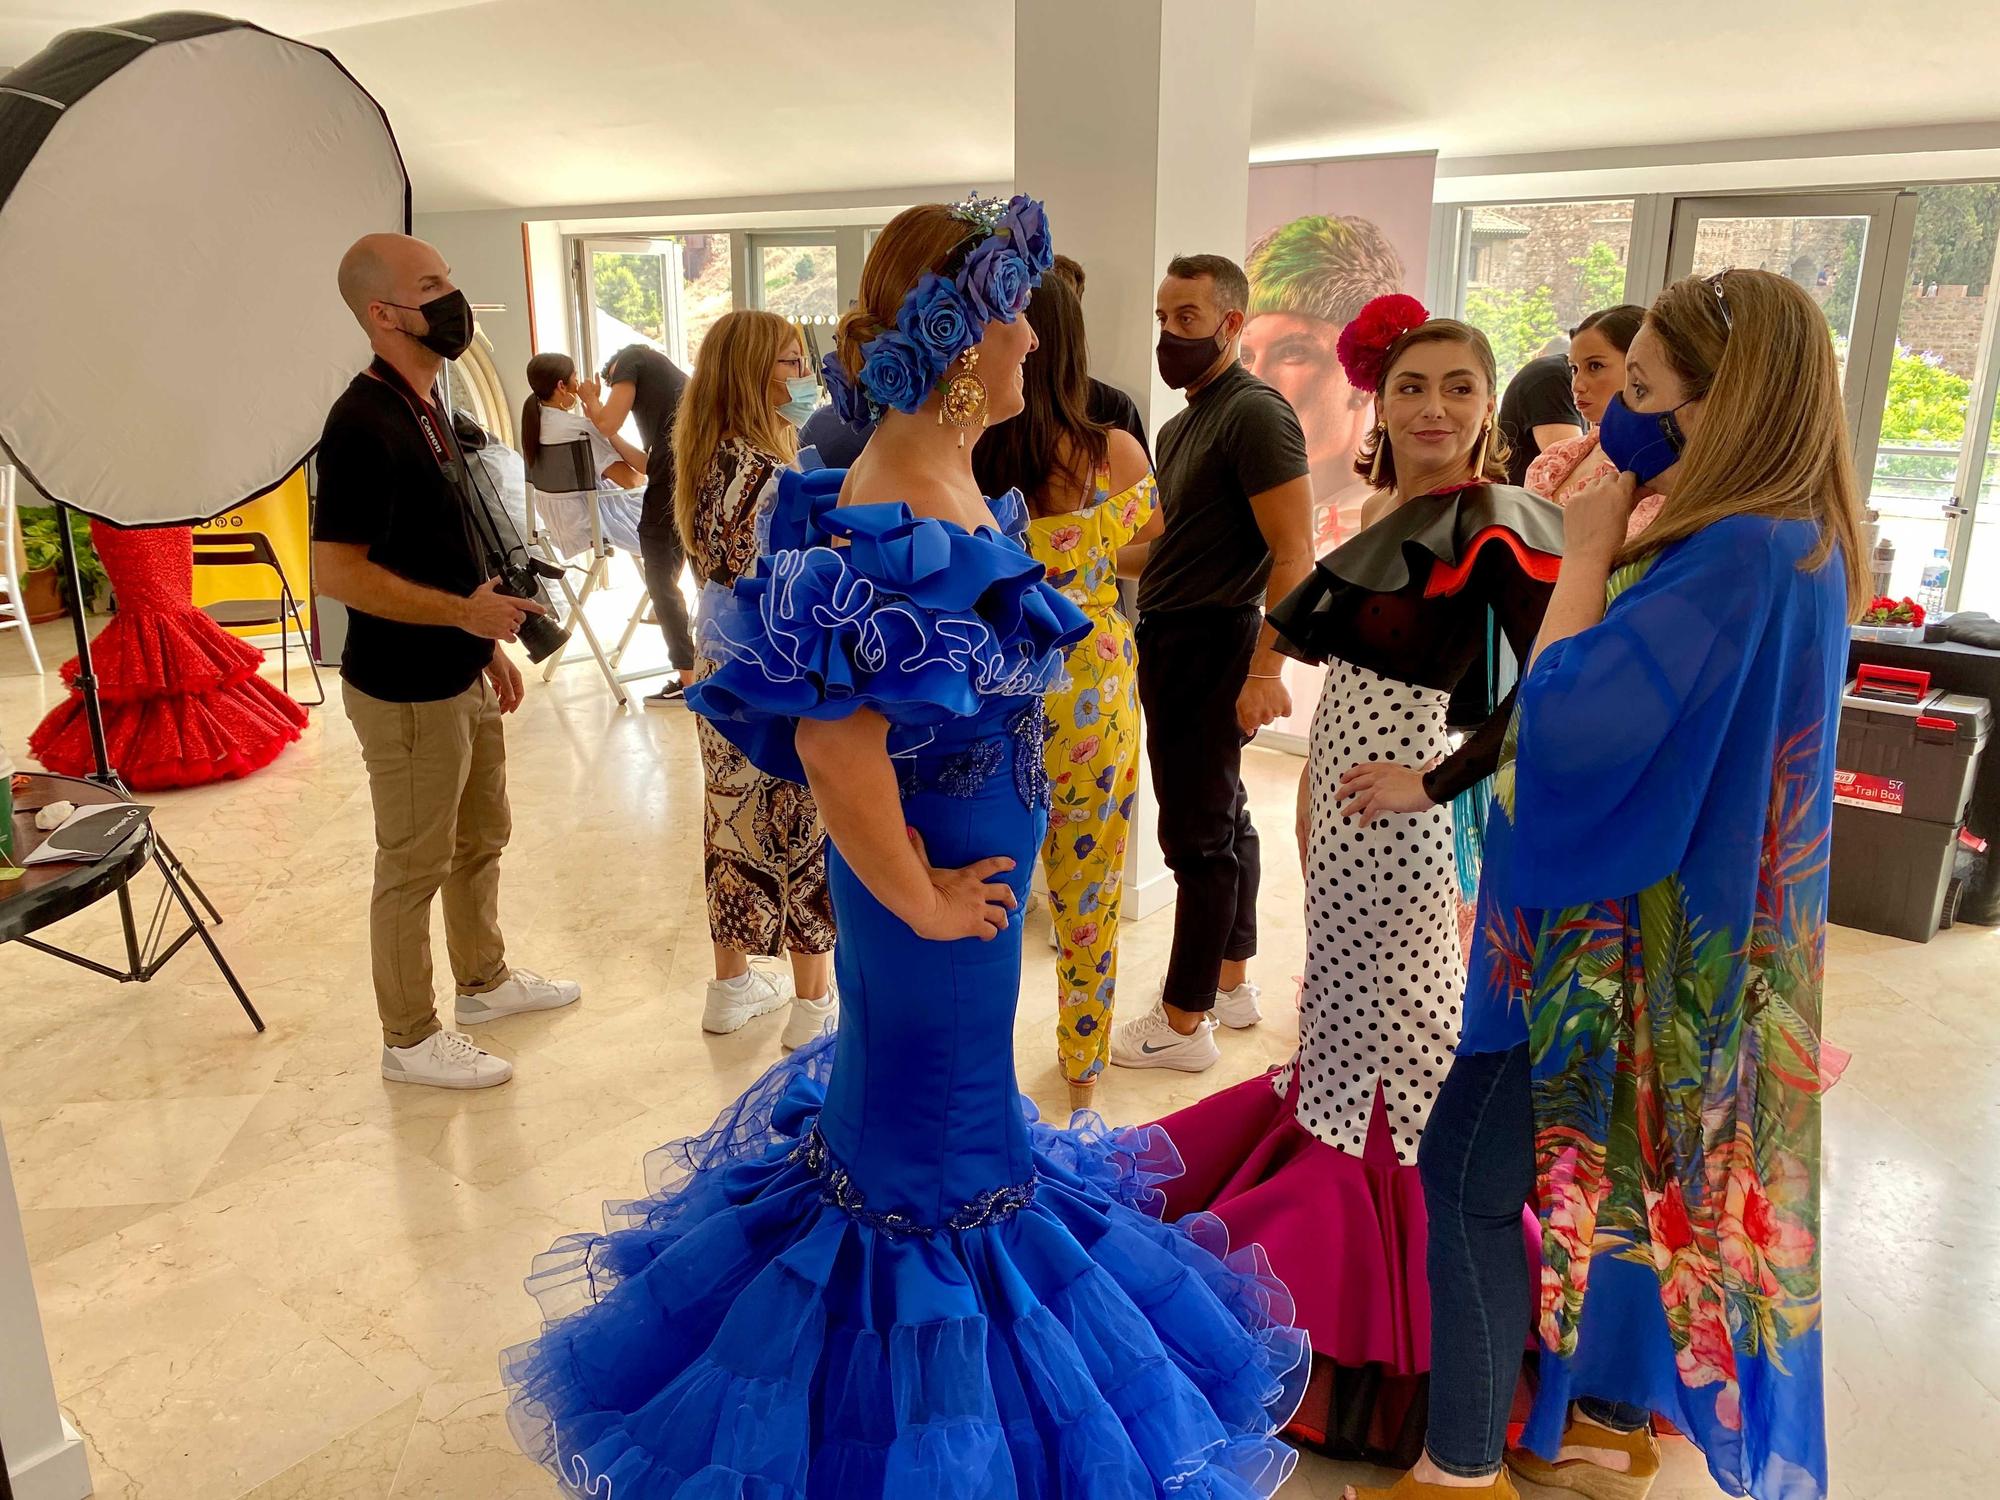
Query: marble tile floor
column 267, row 1274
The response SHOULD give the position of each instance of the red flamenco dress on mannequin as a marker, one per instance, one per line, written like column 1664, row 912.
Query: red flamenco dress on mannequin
column 183, row 702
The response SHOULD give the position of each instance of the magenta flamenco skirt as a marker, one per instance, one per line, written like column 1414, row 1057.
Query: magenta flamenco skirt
column 183, row 702
column 1347, row 1238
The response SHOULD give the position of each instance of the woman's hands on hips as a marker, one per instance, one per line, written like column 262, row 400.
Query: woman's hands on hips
column 967, row 902
column 1377, row 789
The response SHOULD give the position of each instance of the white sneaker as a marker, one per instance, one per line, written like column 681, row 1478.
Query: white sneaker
column 1151, row 1042
column 811, row 1019
column 524, row 990
column 1238, row 1008
column 445, row 1060
column 732, row 1002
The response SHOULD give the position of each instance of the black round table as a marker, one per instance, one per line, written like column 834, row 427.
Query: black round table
column 48, row 893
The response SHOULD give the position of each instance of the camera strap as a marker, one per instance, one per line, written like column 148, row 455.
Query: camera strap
column 450, row 460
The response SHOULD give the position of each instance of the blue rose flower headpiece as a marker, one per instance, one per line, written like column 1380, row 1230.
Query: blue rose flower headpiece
column 988, row 277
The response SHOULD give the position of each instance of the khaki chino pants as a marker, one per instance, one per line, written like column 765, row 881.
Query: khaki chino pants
column 437, row 773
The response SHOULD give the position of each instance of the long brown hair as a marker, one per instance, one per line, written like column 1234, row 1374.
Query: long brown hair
column 1772, row 440
column 729, row 396
column 1436, row 331
column 1052, row 446
column 545, row 373
column 918, row 239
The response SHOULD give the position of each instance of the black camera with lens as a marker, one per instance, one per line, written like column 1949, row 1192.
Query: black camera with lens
column 521, row 578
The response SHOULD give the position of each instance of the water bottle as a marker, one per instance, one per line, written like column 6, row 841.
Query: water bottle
column 1934, row 582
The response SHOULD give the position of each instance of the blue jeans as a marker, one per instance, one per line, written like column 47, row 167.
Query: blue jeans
column 1478, row 1165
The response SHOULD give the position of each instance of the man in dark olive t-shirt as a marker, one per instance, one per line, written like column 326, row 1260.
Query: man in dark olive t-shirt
column 1236, row 496
column 644, row 383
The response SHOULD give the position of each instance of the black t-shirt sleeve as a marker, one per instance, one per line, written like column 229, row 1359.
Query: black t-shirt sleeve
column 355, row 484
column 622, row 368
column 1265, row 442
column 1546, row 398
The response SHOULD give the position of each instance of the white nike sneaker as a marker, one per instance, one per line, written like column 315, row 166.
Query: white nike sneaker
column 734, row 1002
column 445, row 1060
column 811, row 1019
column 1150, row 1041
column 1238, row 1008
column 525, row 990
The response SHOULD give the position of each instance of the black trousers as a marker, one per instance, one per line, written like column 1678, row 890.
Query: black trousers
column 661, row 560
column 1192, row 665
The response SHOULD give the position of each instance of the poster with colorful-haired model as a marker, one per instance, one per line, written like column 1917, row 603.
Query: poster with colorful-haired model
column 1326, row 238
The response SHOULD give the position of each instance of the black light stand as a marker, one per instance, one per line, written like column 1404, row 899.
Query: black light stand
column 142, row 960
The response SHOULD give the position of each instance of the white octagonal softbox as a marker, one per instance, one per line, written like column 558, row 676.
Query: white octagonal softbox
column 175, row 195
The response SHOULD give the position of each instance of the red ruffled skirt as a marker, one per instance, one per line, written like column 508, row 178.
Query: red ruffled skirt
column 183, row 702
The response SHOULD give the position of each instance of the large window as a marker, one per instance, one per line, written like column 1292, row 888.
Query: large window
column 797, row 279
column 1528, row 272
column 665, row 291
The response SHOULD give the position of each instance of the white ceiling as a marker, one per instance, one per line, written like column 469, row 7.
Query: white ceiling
column 518, row 103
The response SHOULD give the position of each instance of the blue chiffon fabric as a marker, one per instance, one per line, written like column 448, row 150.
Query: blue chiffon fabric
column 879, row 1274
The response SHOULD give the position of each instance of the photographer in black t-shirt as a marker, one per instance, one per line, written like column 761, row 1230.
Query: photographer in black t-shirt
column 642, row 382
column 424, row 683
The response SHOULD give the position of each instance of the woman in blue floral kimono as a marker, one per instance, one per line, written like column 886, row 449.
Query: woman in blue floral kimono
column 1641, row 1042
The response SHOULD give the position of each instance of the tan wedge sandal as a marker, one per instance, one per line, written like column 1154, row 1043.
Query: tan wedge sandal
column 1582, row 1477
column 1409, row 1487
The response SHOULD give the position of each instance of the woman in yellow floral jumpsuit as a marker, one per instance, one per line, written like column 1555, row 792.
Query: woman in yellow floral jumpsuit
column 1089, row 487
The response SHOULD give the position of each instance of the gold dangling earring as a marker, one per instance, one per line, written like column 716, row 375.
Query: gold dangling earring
column 1479, row 454
column 1375, row 459
column 964, row 401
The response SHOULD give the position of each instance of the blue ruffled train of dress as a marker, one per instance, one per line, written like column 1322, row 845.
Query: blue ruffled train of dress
column 739, row 1335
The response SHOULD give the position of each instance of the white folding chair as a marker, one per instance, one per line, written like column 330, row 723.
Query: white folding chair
column 13, row 608
column 568, row 470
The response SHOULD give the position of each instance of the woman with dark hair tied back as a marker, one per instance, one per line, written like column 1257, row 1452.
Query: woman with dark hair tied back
column 1640, row 1058
column 879, row 1276
column 1317, row 1160
column 1596, row 373
column 1089, row 488
column 563, row 409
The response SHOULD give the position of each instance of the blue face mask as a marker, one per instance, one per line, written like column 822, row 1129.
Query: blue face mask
column 1644, row 444
column 805, row 399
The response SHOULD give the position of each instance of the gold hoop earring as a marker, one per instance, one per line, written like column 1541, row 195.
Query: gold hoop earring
column 963, row 404
column 1479, row 453
column 1375, row 459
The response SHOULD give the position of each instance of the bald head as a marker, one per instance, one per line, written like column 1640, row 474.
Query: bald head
column 390, row 269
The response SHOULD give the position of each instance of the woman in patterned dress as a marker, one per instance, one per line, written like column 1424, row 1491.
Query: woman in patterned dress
column 763, row 848
column 1596, row 373
column 1089, row 488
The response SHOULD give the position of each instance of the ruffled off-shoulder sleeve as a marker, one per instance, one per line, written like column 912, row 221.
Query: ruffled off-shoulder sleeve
column 915, row 618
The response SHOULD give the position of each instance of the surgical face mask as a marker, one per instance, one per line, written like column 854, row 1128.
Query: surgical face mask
column 448, row 319
column 1184, row 360
column 804, row 393
column 1644, row 444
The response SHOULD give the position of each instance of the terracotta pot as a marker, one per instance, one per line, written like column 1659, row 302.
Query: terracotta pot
column 41, row 596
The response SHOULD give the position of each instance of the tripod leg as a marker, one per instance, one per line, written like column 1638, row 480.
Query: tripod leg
column 134, row 960
column 171, row 860
column 169, row 874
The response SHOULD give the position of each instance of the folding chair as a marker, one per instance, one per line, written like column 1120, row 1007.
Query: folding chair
column 13, row 608
column 569, row 469
column 253, row 549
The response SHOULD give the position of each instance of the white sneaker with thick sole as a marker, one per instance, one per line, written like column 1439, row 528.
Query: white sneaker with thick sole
column 1238, row 1008
column 525, row 990
column 811, row 1019
column 734, row 1002
column 445, row 1060
column 1150, row 1041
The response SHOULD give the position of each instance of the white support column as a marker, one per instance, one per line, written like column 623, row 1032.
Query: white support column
column 45, row 1457
column 1132, row 123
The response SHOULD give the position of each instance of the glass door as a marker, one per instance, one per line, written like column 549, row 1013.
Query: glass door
column 632, row 295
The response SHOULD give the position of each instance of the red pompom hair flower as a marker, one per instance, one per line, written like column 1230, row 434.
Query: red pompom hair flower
column 1365, row 343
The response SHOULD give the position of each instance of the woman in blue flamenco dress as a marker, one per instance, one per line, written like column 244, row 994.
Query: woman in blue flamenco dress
column 877, row 1275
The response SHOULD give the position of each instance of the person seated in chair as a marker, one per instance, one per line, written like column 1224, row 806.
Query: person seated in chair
column 561, row 408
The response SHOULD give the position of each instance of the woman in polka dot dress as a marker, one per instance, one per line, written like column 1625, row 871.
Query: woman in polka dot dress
column 1316, row 1161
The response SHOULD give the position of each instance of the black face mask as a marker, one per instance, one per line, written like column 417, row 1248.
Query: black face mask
column 1183, row 360
column 449, row 320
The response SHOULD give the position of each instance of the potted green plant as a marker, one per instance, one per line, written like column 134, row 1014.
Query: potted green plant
column 45, row 588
